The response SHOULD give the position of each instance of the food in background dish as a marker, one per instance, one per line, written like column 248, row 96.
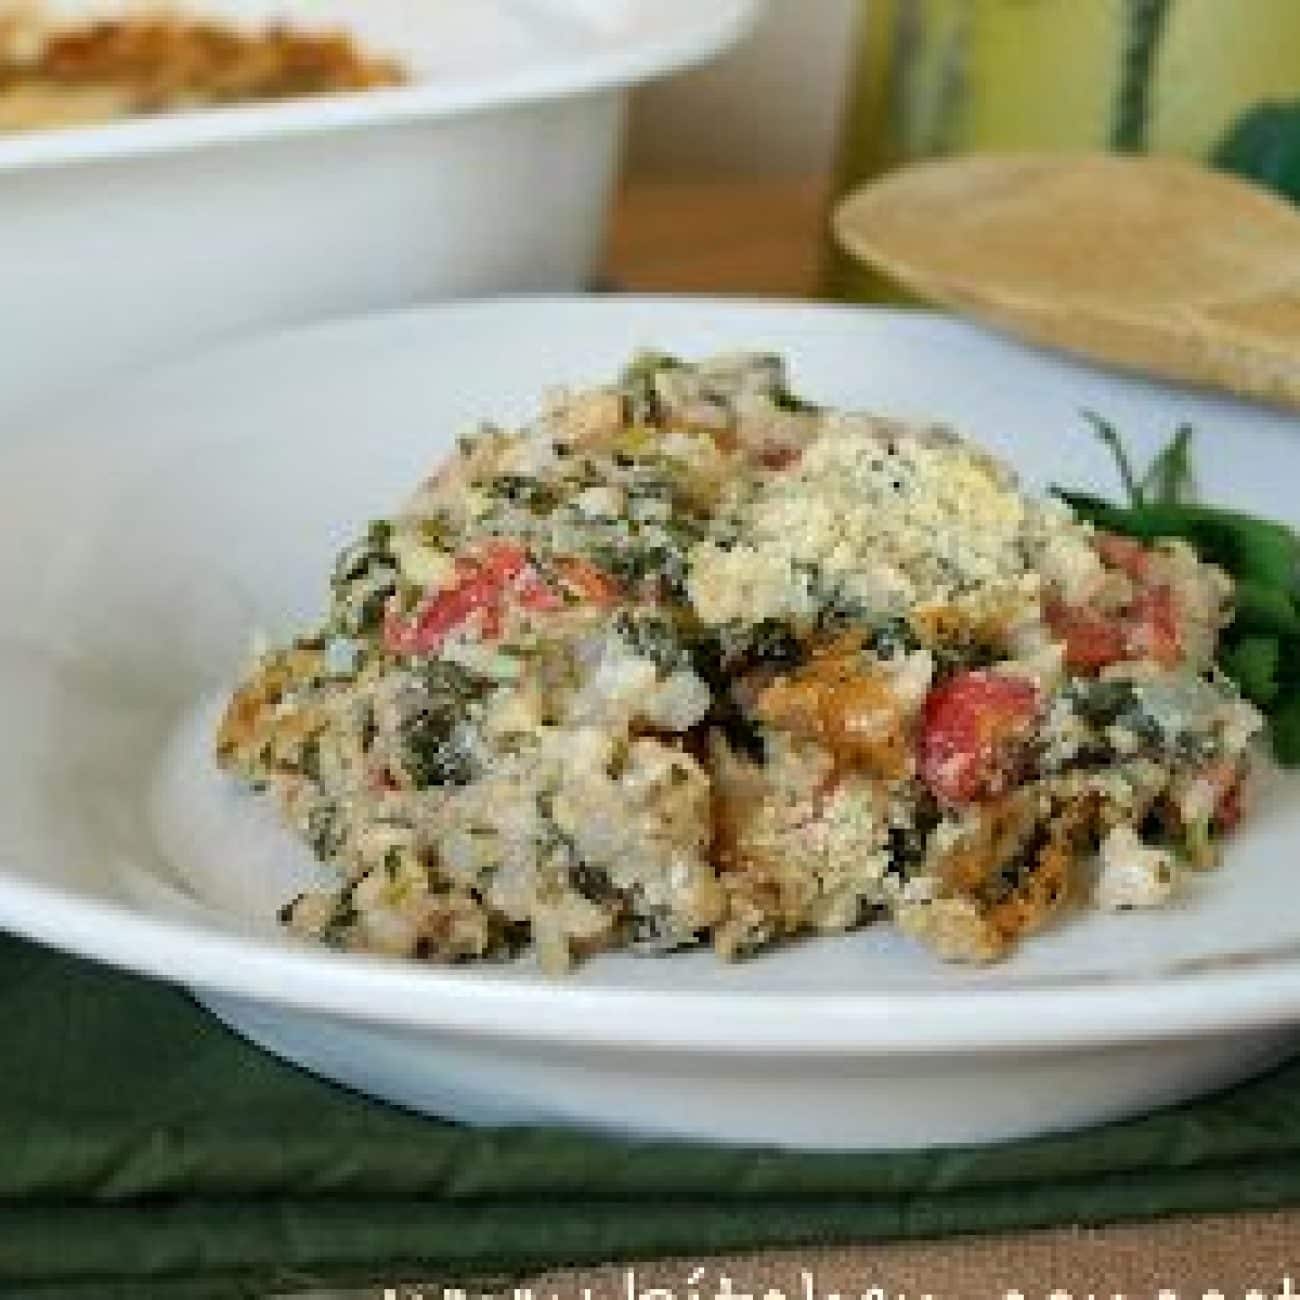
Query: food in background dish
column 691, row 661
column 65, row 75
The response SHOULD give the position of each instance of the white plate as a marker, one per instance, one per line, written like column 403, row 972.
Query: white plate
column 147, row 533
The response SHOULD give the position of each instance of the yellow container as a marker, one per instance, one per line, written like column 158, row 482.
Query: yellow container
column 953, row 76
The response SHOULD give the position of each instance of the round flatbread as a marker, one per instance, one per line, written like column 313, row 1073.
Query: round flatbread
column 1152, row 264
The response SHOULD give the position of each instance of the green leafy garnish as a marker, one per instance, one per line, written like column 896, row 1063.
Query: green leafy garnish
column 1285, row 719
column 1108, row 435
column 1168, row 480
column 1252, row 663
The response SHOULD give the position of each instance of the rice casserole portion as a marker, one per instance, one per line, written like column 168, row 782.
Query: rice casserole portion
column 690, row 661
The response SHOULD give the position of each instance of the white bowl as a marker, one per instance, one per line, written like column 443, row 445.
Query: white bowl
column 145, row 533
column 491, row 172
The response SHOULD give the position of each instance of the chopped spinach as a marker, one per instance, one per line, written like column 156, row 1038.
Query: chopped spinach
column 341, row 920
column 640, row 390
column 773, row 644
column 592, row 882
column 656, row 636
column 715, row 658
column 325, row 830
column 908, row 845
column 434, row 746
column 451, row 682
column 309, row 758
column 284, row 914
column 535, row 494
column 364, row 579
column 892, row 639
column 652, row 934
column 634, row 561
column 371, row 550
column 784, row 400
column 1103, row 704
column 723, row 653
column 433, row 752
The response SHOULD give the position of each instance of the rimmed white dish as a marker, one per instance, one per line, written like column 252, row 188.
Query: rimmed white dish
column 148, row 532
column 491, row 171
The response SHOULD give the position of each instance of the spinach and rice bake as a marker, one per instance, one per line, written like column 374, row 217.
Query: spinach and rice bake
column 60, row 74
column 691, row 661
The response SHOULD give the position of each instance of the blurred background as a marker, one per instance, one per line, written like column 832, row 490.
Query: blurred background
column 746, row 153
column 728, row 167
column 769, row 107
column 728, row 170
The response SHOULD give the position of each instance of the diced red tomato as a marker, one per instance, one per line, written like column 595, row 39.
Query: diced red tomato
column 1144, row 628
column 1147, row 629
column 1226, row 779
column 587, row 581
column 1126, row 554
column 1152, row 626
column 500, row 559
column 381, row 780
column 535, row 596
column 972, row 726
column 1229, row 812
column 1092, row 640
column 485, row 586
column 477, row 591
column 776, row 456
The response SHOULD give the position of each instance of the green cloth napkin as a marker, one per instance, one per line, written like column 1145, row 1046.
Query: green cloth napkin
column 147, row 1151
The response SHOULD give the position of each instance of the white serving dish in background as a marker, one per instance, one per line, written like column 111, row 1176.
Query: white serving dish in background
column 145, row 532
column 492, row 171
